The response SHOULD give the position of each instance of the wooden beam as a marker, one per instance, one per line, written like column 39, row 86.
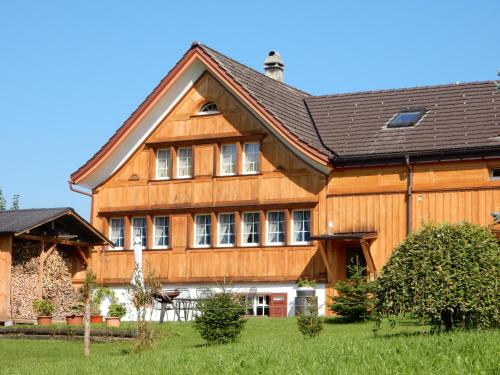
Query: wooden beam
column 82, row 255
column 52, row 239
column 228, row 206
column 5, row 278
column 329, row 269
column 206, row 139
column 365, row 245
column 41, row 262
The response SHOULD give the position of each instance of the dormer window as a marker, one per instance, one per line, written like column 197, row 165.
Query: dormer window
column 406, row 118
column 208, row 109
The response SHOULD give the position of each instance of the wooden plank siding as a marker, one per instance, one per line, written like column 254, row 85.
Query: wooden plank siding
column 210, row 265
column 284, row 182
column 374, row 199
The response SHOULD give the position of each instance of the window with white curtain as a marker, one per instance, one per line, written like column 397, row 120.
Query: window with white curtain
column 184, row 162
column 250, row 228
column 251, row 156
column 116, row 232
column 202, row 230
column 139, row 229
column 228, row 159
column 301, row 226
column 163, row 164
column 161, row 232
column 226, row 232
column 275, row 227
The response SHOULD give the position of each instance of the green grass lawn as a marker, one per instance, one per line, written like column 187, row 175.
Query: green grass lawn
column 267, row 346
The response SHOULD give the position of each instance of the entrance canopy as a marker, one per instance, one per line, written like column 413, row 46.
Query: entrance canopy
column 327, row 243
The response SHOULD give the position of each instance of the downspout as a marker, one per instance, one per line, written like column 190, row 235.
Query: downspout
column 72, row 188
column 409, row 192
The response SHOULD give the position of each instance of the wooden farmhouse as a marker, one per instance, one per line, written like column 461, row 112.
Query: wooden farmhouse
column 230, row 175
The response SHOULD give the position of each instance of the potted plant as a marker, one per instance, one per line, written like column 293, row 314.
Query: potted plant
column 44, row 309
column 306, row 286
column 76, row 316
column 95, row 305
column 116, row 311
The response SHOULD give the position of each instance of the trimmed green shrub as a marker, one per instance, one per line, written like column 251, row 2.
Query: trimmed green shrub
column 43, row 307
column 309, row 322
column 354, row 302
column 220, row 318
column 117, row 310
column 445, row 274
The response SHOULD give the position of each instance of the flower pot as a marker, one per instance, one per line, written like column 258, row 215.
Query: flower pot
column 112, row 321
column 74, row 320
column 44, row 320
column 96, row 319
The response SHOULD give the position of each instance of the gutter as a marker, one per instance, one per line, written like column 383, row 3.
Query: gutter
column 457, row 154
column 409, row 198
column 72, row 188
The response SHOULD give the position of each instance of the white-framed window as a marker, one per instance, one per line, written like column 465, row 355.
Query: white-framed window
column 184, row 162
column 202, row 230
column 163, row 164
column 161, row 227
column 116, row 232
column 251, row 158
column 250, row 228
column 495, row 173
column 301, row 226
column 228, row 159
column 259, row 305
column 139, row 230
column 226, row 230
column 275, row 227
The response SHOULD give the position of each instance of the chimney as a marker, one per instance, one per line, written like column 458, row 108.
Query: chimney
column 273, row 66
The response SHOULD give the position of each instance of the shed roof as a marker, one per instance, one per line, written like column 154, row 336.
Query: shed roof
column 50, row 222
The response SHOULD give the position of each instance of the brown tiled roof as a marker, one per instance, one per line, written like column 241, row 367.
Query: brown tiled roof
column 284, row 102
column 459, row 117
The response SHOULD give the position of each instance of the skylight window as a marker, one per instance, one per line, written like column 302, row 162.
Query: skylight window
column 209, row 108
column 406, row 118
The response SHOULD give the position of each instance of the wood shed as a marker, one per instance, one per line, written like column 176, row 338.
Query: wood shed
column 44, row 252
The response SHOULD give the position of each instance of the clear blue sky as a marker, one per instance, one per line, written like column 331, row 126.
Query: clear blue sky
column 72, row 72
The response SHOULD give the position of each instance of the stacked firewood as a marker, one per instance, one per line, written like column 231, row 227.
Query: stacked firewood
column 24, row 279
column 56, row 283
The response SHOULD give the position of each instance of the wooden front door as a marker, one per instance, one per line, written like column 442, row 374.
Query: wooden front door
column 278, row 306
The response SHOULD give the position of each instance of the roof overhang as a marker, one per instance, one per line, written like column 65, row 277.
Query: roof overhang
column 79, row 225
column 160, row 103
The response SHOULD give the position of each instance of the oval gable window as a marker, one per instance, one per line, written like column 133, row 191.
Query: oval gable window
column 208, row 108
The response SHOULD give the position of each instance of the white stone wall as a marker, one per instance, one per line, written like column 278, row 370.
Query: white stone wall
column 193, row 291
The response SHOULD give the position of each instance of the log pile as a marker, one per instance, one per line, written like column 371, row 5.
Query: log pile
column 56, row 282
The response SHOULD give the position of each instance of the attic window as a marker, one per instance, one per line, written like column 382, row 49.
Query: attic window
column 406, row 118
column 208, row 108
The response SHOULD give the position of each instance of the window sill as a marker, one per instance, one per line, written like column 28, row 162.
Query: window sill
column 237, row 175
column 249, row 247
column 158, row 180
column 198, row 115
